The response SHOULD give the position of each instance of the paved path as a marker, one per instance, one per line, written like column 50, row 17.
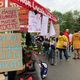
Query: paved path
column 64, row 70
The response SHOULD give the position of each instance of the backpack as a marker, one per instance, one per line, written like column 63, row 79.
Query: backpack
column 44, row 70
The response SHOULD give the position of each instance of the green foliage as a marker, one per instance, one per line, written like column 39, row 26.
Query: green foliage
column 70, row 20
column 58, row 16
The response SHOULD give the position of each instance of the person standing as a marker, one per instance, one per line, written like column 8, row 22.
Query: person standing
column 38, row 41
column 70, row 46
column 66, row 33
column 28, row 39
column 52, row 51
column 61, row 45
column 76, row 44
column 46, row 45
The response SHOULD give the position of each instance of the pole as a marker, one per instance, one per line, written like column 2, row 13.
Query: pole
column 6, row 73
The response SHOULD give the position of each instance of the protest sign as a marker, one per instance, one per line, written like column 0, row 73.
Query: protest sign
column 10, row 52
column 9, row 20
column 34, row 22
column 57, row 29
column 52, row 30
column 44, row 27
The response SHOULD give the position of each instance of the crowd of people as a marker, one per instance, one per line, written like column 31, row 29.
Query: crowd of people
column 65, row 43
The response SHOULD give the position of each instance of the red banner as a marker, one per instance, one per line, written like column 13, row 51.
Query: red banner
column 23, row 3
column 33, row 4
column 43, row 10
column 2, row 3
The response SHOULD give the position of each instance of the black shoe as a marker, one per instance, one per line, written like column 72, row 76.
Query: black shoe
column 78, row 58
column 74, row 58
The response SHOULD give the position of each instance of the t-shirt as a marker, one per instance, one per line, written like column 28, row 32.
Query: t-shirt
column 70, row 37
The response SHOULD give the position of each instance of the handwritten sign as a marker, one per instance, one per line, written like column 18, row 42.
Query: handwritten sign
column 9, row 20
column 44, row 28
column 10, row 52
column 52, row 30
column 34, row 22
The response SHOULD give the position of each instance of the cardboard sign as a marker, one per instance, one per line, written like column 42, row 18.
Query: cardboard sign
column 57, row 29
column 10, row 52
column 9, row 20
column 23, row 16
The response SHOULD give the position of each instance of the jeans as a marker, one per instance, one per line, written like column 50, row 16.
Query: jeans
column 52, row 55
column 52, row 52
column 65, row 53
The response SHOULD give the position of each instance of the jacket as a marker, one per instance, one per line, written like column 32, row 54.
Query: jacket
column 61, row 40
column 76, row 41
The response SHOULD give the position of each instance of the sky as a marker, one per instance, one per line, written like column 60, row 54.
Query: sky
column 61, row 5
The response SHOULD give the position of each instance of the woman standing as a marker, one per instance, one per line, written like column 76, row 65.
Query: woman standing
column 62, row 45
column 52, row 51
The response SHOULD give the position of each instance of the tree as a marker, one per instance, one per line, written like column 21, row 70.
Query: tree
column 58, row 16
column 70, row 20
